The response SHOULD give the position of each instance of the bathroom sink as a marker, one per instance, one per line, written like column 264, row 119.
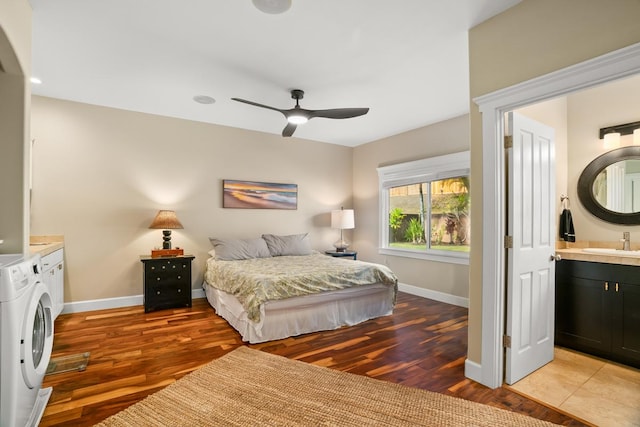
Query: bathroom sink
column 610, row 251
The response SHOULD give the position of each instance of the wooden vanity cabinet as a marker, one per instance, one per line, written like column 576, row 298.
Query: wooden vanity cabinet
column 597, row 309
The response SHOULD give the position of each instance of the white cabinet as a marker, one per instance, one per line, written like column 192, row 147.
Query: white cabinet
column 53, row 277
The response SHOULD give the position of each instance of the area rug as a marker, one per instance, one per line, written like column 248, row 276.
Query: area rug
column 251, row 388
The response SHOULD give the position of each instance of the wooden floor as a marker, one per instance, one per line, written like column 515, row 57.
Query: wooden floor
column 423, row 344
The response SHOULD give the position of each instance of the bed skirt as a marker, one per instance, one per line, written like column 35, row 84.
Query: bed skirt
column 304, row 314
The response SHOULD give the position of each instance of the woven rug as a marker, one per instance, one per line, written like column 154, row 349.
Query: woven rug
column 251, row 388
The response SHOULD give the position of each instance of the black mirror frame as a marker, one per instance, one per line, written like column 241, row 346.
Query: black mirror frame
column 589, row 174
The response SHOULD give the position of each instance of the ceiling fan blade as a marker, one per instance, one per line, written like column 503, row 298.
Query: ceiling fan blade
column 257, row 105
column 289, row 129
column 339, row 113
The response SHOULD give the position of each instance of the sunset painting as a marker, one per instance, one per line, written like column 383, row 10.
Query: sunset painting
column 259, row 195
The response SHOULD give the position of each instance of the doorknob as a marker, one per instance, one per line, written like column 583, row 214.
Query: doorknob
column 554, row 257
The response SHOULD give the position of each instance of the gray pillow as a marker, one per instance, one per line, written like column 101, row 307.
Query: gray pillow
column 294, row 244
column 235, row 249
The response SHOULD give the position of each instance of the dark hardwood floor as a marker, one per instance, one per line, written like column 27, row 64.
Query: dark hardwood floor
column 133, row 354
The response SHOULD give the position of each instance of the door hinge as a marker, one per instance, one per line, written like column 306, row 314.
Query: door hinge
column 506, row 341
column 508, row 242
column 508, row 141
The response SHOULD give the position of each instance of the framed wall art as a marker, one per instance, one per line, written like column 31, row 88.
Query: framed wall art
column 258, row 195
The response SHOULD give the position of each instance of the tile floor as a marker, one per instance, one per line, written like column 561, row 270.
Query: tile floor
column 594, row 390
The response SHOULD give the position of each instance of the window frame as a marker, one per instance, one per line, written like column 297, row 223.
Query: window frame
column 417, row 172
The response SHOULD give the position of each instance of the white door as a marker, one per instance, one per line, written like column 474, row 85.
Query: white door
column 530, row 260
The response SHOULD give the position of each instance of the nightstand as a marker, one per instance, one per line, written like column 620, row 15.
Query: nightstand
column 167, row 282
column 336, row 254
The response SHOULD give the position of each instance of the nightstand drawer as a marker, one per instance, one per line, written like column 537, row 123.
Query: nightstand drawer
column 167, row 282
column 163, row 296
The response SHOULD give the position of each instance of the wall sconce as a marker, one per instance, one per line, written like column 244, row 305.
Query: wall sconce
column 611, row 135
column 166, row 221
column 342, row 219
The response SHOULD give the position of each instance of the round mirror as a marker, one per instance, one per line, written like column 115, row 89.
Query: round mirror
column 609, row 186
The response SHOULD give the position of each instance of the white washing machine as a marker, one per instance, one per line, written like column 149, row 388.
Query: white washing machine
column 26, row 340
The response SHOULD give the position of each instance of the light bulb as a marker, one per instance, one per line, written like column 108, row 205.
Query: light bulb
column 297, row 119
column 611, row 140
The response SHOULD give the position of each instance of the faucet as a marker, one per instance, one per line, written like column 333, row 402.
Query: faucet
column 626, row 239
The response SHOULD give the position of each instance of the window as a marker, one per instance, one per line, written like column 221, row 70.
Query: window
column 424, row 208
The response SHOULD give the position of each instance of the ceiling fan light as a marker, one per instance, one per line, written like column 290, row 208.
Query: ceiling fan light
column 297, row 119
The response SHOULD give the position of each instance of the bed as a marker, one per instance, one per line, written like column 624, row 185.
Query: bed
column 275, row 287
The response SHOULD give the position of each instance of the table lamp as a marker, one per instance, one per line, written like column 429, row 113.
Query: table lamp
column 342, row 219
column 166, row 221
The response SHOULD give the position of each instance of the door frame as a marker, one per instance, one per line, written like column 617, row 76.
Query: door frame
column 618, row 64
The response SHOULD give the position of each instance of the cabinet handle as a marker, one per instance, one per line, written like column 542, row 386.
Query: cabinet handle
column 179, row 277
column 59, row 266
column 179, row 290
column 616, row 286
column 606, row 286
column 158, row 279
column 157, row 292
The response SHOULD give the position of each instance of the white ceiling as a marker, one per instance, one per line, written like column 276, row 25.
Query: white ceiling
column 406, row 60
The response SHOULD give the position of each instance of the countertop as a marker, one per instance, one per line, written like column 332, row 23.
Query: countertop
column 573, row 251
column 44, row 245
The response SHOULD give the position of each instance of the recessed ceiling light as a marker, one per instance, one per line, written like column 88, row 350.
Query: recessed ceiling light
column 272, row 6
column 204, row 99
column 35, row 80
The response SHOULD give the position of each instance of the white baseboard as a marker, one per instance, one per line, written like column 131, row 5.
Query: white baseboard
column 473, row 370
column 119, row 302
column 434, row 295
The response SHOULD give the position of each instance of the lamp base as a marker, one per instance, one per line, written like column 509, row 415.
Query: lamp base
column 341, row 245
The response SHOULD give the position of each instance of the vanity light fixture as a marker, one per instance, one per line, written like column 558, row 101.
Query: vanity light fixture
column 611, row 135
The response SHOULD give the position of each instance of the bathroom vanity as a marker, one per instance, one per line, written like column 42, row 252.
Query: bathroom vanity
column 597, row 307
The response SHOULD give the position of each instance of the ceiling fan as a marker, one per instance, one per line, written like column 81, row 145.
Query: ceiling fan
column 297, row 115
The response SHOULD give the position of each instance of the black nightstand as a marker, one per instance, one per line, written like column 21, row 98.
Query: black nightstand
column 351, row 254
column 167, row 282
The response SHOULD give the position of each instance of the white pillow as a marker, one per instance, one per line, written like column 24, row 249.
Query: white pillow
column 235, row 249
column 294, row 244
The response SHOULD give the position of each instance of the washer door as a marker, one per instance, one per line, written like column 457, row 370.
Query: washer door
column 37, row 336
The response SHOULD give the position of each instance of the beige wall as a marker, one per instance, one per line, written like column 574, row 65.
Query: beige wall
column 450, row 136
column 531, row 39
column 577, row 119
column 15, row 69
column 612, row 104
column 101, row 174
